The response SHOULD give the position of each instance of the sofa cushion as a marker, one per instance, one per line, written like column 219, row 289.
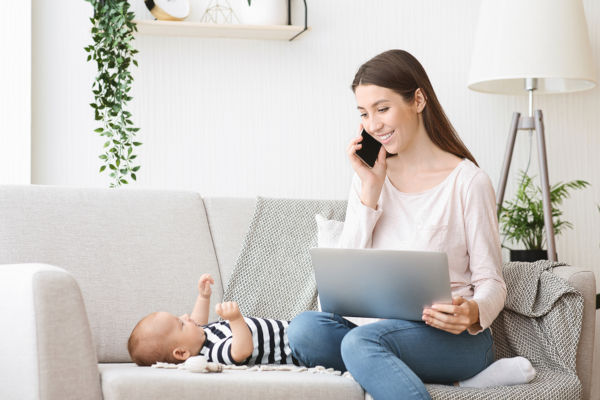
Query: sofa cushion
column 229, row 219
column 273, row 276
column 130, row 382
column 329, row 231
column 131, row 251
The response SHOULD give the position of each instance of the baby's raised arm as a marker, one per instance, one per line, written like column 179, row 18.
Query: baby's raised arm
column 241, row 341
column 202, row 306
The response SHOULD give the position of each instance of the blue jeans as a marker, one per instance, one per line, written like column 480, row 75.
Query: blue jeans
column 391, row 358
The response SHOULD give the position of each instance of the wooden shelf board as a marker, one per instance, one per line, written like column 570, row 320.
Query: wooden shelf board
column 238, row 31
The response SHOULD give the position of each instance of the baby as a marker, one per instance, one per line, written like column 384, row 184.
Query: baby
column 164, row 337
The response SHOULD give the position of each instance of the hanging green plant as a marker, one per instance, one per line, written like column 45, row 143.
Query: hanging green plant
column 112, row 33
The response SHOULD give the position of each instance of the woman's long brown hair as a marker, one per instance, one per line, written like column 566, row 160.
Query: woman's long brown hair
column 399, row 71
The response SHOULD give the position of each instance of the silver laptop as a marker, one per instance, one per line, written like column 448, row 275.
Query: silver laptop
column 380, row 283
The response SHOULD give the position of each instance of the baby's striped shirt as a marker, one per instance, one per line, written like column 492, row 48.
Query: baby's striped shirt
column 269, row 337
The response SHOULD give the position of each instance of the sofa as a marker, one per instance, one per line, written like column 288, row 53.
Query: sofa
column 80, row 266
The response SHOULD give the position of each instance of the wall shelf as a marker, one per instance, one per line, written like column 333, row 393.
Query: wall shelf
column 199, row 29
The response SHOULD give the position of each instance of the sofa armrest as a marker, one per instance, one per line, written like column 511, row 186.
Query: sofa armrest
column 584, row 281
column 45, row 340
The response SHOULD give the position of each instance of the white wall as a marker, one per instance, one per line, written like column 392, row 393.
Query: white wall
column 249, row 117
column 15, row 92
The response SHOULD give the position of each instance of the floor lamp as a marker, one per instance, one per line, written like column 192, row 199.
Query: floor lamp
column 531, row 46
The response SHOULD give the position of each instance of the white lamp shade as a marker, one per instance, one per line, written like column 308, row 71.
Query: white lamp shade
column 543, row 39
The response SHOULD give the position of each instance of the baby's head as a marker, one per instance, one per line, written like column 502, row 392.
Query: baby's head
column 163, row 337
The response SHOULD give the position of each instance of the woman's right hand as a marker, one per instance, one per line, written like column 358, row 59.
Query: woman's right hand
column 372, row 179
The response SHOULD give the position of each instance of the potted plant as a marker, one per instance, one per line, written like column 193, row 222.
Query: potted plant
column 112, row 31
column 264, row 12
column 522, row 219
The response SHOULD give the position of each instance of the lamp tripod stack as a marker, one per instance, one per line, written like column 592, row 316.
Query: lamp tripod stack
column 533, row 122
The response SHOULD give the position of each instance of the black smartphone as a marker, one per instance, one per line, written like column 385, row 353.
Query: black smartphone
column 369, row 150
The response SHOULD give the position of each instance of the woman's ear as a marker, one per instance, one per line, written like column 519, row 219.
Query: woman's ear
column 420, row 100
column 181, row 354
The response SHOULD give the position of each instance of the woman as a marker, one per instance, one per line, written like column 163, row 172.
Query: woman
column 425, row 192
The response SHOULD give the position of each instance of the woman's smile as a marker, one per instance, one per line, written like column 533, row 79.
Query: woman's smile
column 386, row 137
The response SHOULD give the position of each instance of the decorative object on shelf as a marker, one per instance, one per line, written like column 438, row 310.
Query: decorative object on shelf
column 169, row 10
column 522, row 220
column 210, row 30
column 217, row 13
column 112, row 33
column 534, row 45
column 265, row 12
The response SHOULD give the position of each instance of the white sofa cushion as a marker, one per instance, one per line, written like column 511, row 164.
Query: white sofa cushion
column 130, row 382
column 131, row 251
column 229, row 220
column 329, row 231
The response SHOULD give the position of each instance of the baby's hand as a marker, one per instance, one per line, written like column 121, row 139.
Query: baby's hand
column 229, row 311
column 204, row 285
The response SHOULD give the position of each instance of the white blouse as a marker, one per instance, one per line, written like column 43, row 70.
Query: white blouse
column 457, row 216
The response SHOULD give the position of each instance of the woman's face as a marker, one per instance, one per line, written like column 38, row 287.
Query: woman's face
column 388, row 117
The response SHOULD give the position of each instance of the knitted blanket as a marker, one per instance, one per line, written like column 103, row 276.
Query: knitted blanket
column 273, row 278
column 273, row 275
column 542, row 322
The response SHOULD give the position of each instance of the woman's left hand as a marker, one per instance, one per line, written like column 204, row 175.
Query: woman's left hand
column 453, row 318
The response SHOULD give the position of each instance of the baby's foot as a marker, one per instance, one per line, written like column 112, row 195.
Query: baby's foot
column 504, row 372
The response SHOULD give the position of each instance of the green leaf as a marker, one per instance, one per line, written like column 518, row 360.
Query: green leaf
column 133, row 176
column 112, row 166
column 102, row 168
column 522, row 219
column 136, row 168
column 103, row 157
column 98, row 130
column 137, row 143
